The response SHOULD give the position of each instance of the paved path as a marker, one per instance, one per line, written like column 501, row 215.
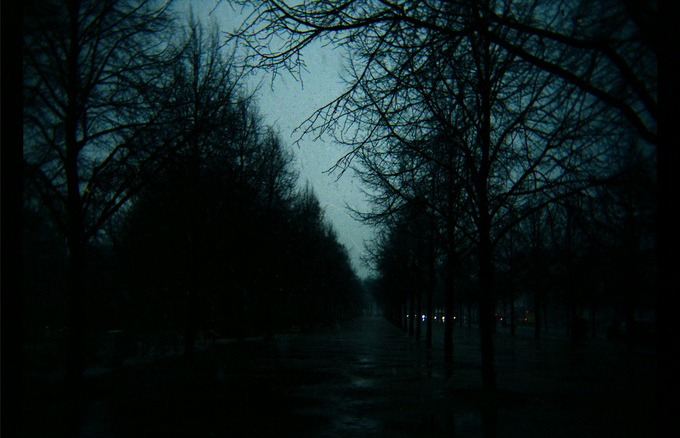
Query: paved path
column 379, row 383
column 365, row 378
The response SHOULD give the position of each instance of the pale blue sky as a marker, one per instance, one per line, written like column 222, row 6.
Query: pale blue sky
column 286, row 106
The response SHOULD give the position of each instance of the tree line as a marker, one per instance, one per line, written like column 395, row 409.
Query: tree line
column 509, row 147
column 156, row 201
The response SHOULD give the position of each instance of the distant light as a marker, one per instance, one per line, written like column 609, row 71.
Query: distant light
column 424, row 317
column 454, row 317
column 443, row 318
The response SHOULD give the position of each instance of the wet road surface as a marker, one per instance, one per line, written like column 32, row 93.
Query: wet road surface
column 365, row 378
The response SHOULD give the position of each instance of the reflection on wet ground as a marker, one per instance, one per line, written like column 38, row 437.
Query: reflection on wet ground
column 365, row 378
column 380, row 386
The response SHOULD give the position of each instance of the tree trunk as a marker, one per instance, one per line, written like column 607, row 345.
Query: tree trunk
column 513, row 317
column 545, row 313
column 195, row 246
column 430, row 305
column 192, row 324
column 448, row 312
column 75, row 344
column 269, row 317
column 430, row 318
column 449, row 286
column 240, row 317
column 629, row 318
column 75, row 355
column 487, row 319
column 419, row 310
column 537, row 314
column 412, row 316
column 486, row 314
column 193, row 300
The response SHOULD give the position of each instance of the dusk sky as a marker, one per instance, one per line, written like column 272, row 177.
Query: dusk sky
column 285, row 104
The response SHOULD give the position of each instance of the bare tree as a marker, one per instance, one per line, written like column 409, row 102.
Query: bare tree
column 92, row 72
column 502, row 133
column 612, row 45
column 524, row 91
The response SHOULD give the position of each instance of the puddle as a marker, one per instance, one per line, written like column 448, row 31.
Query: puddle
column 361, row 382
column 355, row 423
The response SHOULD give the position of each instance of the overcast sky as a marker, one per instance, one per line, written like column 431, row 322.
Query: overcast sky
column 286, row 106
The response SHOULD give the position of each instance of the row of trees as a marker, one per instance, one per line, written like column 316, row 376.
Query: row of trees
column 476, row 125
column 588, row 256
column 155, row 199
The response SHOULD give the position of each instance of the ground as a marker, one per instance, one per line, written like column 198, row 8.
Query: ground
column 365, row 378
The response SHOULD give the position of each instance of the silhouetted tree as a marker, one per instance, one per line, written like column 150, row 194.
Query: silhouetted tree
column 517, row 149
column 405, row 198
column 91, row 70
column 535, row 254
column 44, row 267
column 608, row 49
column 628, row 211
column 221, row 202
column 393, row 258
column 612, row 227
column 525, row 91
column 326, row 288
